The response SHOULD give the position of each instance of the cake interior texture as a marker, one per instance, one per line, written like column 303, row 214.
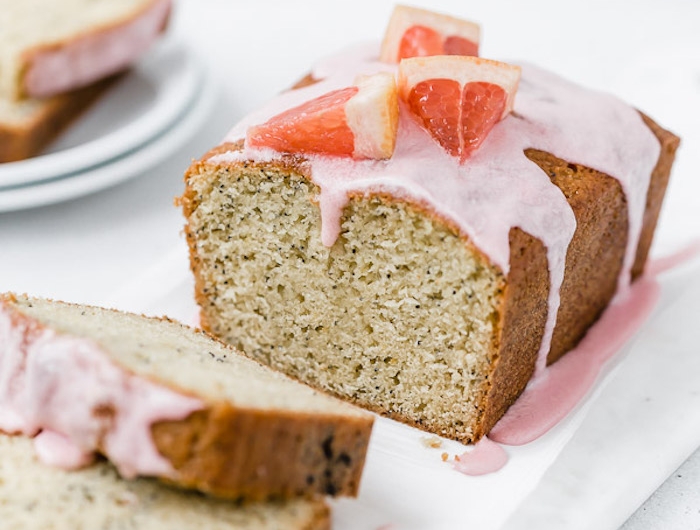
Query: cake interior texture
column 191, row 362
column 344, row 318
column 33, row 495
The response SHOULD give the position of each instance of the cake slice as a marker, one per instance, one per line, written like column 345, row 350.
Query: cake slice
column 160, row 399
column 57, row 58
column 428, row 287
column 29, row 125
column 33, row 495
column 51, row 47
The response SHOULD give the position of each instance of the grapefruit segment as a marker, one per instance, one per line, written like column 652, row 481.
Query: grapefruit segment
column 482, row 108
column 414, row 32
column 317, row 126
column 432, row 101
column 458, row 99
column 419, row 41
column 358, row 121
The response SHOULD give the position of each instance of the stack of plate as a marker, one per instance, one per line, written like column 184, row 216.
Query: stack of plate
column 147, row 116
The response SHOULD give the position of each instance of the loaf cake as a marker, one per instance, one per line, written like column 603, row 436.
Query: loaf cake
column 159, row 399
column 47, row 48
column 34, row 496
column 426, row 287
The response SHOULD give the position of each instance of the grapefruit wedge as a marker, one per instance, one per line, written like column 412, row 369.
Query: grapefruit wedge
column 414, row 32
column 358, row 121
column 458, row 99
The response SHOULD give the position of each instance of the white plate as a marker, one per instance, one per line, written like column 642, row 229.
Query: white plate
column 142, row 105
column 116, row 170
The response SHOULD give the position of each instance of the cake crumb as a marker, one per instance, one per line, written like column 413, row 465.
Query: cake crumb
column 444, row 457
column 127, row 498
column 433, row 442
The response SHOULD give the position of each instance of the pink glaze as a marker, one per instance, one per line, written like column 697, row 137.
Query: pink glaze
column 548, row 399
column 498, row 187
column 666, row 263
column 483, row 458
column 54, row 449
column 95, row 55
column 69, row 387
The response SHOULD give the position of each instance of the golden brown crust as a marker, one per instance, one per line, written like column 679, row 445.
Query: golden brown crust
column 257, row 455
column 19, row 143
column 596, row 251
column 29, row 54
column 657, row 189
column 519, row 332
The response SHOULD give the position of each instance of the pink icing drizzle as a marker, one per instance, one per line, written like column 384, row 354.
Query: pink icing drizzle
column 483, row 458
column 551, row 397
column 59, row 384
column 94, row 55
column 498, row 188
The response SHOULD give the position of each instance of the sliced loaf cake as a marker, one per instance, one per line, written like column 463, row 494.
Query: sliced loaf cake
column 48, row 48
column 29, row 125
column 160, row 399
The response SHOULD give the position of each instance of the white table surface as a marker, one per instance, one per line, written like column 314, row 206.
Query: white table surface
column 646, row 52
